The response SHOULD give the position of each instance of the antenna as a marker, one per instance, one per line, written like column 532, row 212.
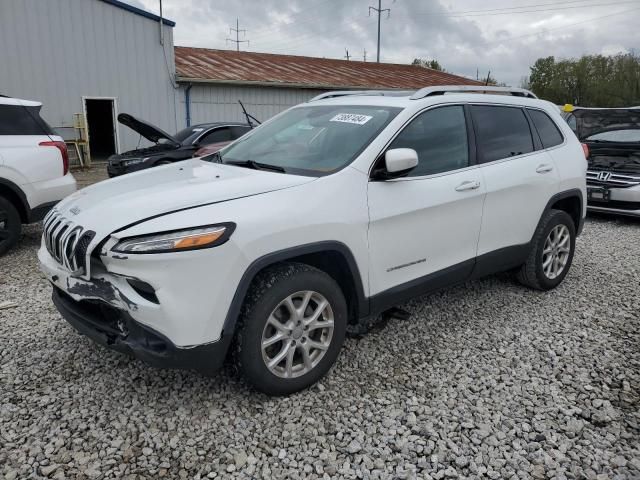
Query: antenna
column 347, row 56
column 237, row 41
column 379, row 10
column 365, row 55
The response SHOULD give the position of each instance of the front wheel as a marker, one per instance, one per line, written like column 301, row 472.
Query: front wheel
column 291, row 328
column 551, row 252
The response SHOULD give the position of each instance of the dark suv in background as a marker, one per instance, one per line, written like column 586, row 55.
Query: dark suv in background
column 170, row 148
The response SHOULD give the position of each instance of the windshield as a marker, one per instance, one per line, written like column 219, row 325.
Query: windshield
column 312, row 140
column 622, row 136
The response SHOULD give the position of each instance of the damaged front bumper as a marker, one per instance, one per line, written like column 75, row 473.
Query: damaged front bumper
column 116, row 330
column 169, row 331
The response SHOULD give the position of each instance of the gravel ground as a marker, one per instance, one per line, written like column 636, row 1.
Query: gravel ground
column 485, row 380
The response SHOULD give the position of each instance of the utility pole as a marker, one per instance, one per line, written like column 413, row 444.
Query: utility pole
column 365, row 55
column 347, row 56
column 380, row 11
column 237, row 41
column 161, row 29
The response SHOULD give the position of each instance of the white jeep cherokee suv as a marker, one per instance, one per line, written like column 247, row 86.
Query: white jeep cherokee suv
column 34, row 168
column 330, row 213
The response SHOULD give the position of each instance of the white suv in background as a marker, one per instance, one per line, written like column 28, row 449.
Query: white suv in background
column 328, row 214
column 34, row 168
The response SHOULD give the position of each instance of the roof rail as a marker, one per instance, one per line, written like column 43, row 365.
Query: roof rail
column 344, row 93
column 432, row 91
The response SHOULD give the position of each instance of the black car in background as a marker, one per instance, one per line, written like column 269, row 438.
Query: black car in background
column 170, row 148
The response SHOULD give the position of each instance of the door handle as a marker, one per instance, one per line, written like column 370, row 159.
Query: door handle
column 468, row 185
column 544, row 168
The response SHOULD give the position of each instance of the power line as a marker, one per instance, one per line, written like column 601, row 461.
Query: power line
column 313, row 37
column 307, row 38
column 584, row 3
column 546, row 30
column 480, row 13
column 379, row 10
column 237, row 41
column 299, row 20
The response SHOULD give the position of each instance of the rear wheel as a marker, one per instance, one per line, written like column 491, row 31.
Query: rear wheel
column 291, row 329
column 551, row 252
column 10, row 225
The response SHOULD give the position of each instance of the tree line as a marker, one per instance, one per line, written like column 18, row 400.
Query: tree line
column 589, row 81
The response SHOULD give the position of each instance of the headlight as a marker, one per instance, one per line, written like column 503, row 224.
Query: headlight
column 176, row 241
column 134, row 161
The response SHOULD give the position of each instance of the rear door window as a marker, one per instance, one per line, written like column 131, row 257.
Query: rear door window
column 20, row 120
column 549, row 133
column 222, row 134
column 501, row 132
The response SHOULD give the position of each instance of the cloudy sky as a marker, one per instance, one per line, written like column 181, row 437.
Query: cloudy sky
column 465, row 36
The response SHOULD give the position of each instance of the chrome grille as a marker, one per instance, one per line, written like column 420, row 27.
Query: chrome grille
column 66, row 242
column 603, row 178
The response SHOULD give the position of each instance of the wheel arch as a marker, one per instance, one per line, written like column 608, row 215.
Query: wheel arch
column 16, row 196
column 571, row 202
column 332, row 257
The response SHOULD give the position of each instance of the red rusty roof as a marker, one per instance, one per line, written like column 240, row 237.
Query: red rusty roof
column 228, row 66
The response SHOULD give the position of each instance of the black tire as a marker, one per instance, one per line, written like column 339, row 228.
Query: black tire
column 532, row 273
column 162, row 162
column 265, row 294
column 10, row 225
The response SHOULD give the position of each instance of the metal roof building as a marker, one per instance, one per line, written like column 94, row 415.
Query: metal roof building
column 91, row 59
column 267, row 83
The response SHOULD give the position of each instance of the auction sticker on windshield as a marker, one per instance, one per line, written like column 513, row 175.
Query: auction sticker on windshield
column 351, row 118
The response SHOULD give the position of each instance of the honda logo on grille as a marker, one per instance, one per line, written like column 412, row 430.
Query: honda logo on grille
column 604, row 176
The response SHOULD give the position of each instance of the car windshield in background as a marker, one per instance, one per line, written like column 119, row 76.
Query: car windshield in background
column 311, row 140
column 620, row 136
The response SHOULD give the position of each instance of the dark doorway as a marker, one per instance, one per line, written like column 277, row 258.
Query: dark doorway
column 101, row 127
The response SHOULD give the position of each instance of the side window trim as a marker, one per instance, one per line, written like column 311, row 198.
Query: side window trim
column 564, row 138
column 486, row 104
column 537, row 140
column 471, row 136
column 379, row 157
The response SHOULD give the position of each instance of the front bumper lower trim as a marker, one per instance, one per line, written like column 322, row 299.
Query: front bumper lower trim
column 117, row 330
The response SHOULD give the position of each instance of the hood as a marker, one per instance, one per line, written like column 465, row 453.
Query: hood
column 113, row 204
column 148, row 131
column 598, row 120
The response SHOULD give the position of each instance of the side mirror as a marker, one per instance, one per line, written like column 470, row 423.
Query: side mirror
column 397, row 163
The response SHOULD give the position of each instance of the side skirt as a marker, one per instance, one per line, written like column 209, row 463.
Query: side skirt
column 487, row 264
column 420, row 286
column 500, row 260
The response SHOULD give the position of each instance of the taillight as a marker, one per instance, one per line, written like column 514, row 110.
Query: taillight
column 63, row 150
column 585, row 149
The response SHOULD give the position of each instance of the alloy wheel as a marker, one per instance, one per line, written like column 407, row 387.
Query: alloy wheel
column 555, row 253
column 297, row 334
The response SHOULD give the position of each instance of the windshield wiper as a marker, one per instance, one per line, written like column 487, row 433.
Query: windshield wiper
column 255, row 165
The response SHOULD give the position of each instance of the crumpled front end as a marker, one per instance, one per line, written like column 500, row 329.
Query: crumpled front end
column 165, row 309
